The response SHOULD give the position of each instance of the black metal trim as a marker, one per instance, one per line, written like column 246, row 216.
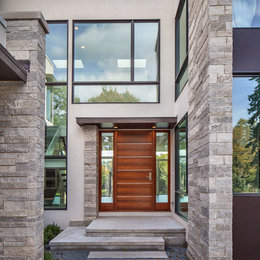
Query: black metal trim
column 64, row 83
column 246, row 194
column 131, row 82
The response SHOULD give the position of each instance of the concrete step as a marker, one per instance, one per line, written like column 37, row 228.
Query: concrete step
column 166, row 227
column 160, row 255
column 74, row 238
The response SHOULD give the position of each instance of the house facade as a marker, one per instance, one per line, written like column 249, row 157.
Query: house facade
column 137, row 104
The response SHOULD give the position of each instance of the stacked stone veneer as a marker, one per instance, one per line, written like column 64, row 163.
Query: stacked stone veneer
column 91, row 172
column 22, row 147
column 210, row 129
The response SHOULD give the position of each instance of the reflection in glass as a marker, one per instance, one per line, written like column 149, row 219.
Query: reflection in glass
column 55, row 130
column 146, row 51
column 181, row 38
column 182, row 205
column 181, row 193
column 181, row 84
column 56, row 53
column 102, row 51
column 246, row 134
column 162, row 167
column 107, row 155
column 115, row 94
column 246, row 13
column 55, row 188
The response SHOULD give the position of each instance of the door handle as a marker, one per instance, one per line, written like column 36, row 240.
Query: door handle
column 149, row 177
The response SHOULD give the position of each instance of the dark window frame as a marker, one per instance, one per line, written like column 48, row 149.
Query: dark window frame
column 184, row 66
column 62, row 83
column 177, row 190
column 131, row 82
column 244, row 75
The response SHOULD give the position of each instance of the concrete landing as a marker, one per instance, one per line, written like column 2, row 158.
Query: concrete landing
column 166, row 227
column 128, row 255
column 75, row 238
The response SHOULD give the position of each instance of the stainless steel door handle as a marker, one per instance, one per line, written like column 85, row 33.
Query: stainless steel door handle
column 149, row 177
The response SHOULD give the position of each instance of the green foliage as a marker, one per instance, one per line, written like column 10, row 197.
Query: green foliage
column 162, row 174
column 245, row 171
column 50, row 232
column 112, row 95
column 59, row 105
column 48, row 256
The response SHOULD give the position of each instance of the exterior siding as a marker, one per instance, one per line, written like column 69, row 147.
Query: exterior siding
column 210, row 130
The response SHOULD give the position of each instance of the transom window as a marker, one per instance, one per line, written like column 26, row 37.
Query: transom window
column 116, row 61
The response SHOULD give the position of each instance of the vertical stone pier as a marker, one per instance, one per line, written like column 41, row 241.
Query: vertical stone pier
column 22, row 125
column 210, row 130
column 91, row 172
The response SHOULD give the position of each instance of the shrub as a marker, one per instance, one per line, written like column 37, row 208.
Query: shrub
column 48, row 256
column 50, row 232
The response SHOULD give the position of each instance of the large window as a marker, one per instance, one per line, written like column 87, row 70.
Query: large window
column 246, row 13
column 116, row 62
column 181, row 47
column 55, row 188
column 181, row 169
column 246, row 134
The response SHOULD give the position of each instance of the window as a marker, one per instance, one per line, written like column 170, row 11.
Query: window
column 181, row 169
column 107, row 157
column 116, row 62
column 246, row 134
column 55, row 188
column 181, row 45
column 246, row 13
column 162, row 167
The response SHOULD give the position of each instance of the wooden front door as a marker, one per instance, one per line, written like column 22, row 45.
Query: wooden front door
column 134, row 170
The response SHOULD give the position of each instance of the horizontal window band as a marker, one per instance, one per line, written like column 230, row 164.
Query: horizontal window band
column 135, row 183
column 115, row 83
column 134, row 196
column 133, row 143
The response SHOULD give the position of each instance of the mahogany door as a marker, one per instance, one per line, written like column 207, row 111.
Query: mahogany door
column 134, row 171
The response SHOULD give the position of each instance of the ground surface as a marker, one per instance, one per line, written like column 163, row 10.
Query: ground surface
column 174, row 253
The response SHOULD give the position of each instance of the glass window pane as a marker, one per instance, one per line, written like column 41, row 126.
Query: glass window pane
column 107, row 154
column 56, row 52
column 246, row 134
column 56, row 120
column 115, row 94
column 181, row 38
column 102, row 51
column 146, row 51
column 246, row 13
column 182, row 205
column 162, row 167
column 181, row 84
column 55, row 188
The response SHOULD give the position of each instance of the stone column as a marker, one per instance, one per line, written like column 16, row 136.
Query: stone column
column 22, row 143
column 91, row 172
column 210, row 130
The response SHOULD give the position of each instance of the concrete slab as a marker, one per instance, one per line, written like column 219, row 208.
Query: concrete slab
column 128, row 255
column 135, row 223
column 75, row 238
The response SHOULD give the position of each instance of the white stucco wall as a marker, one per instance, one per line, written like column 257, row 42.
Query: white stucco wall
column 107, row 9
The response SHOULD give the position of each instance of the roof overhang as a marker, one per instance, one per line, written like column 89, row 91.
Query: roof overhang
column 129, row 122
column 12, row 69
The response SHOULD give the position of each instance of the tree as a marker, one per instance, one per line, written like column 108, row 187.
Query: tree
column 111, row 95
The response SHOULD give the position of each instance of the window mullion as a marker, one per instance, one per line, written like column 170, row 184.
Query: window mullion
column 132, row 50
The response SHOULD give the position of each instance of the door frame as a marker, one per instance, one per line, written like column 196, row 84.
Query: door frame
column 156, row 206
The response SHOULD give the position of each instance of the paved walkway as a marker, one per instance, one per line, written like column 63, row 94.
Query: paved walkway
column 174, row 253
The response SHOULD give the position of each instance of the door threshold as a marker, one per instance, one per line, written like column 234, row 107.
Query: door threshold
column 139, row 214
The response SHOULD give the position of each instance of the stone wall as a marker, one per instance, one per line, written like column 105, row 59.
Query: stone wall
column 22, row 147
column 91, row 172
column 210, row 129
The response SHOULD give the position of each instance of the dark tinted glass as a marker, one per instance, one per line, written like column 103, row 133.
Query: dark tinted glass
column 56, row 52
